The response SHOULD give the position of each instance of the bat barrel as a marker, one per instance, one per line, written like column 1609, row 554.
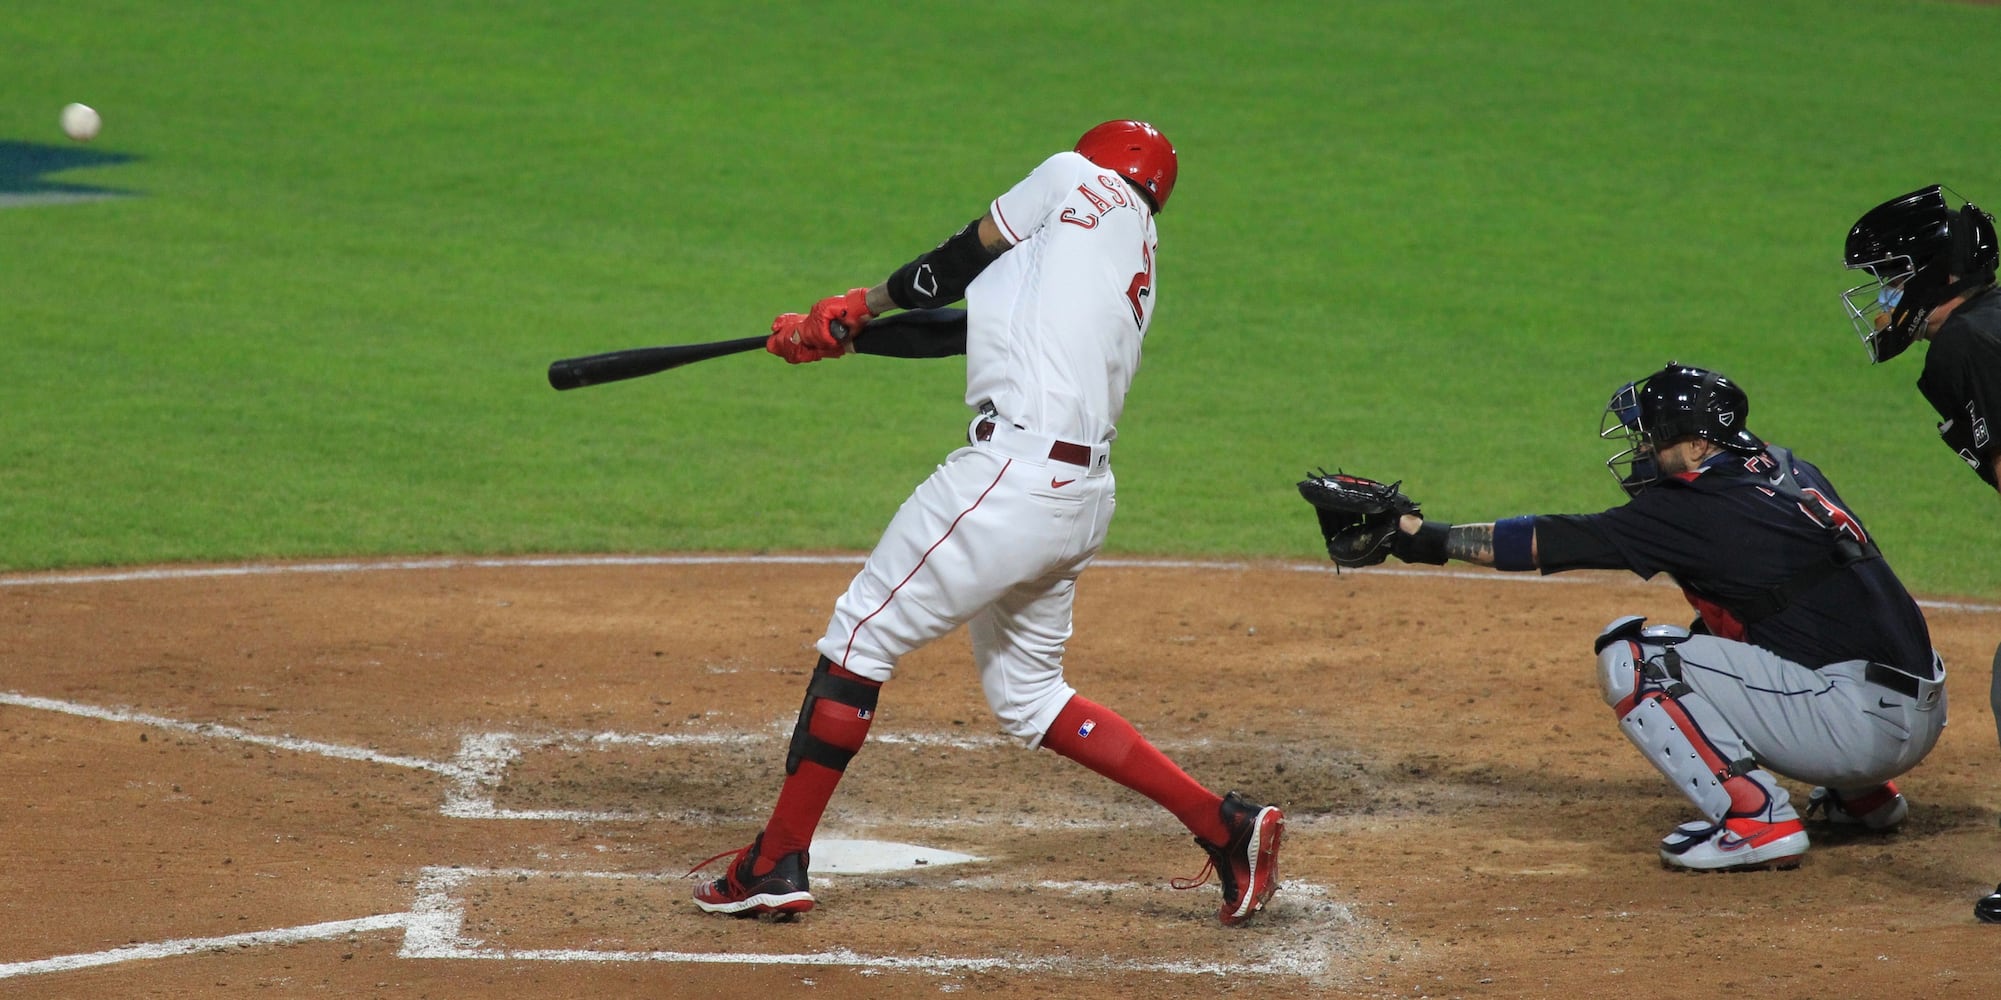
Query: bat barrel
column 571, row 373
column 567, row 374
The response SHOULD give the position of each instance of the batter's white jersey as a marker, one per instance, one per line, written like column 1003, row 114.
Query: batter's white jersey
column 995, row 538
column 1054, row 325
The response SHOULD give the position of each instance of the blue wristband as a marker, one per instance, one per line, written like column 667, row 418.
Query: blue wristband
column 1514, row 543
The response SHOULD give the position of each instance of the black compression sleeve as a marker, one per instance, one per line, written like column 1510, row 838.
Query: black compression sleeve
column 920, row 333
column 940, row 277
column 1565, row 541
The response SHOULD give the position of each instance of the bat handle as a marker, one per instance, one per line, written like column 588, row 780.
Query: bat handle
column 838, row 329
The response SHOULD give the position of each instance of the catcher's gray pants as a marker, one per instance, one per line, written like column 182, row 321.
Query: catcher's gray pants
column 1846, row 725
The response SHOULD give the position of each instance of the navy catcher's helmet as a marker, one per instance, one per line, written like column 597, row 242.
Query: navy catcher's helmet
column 1677, row 402
column 1920, row 253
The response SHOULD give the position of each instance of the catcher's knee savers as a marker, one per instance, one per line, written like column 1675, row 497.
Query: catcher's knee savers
column 1640, row 675
column 1620, row 671
column 841, row 690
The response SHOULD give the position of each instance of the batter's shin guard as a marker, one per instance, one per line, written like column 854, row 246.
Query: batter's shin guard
column 834, row 720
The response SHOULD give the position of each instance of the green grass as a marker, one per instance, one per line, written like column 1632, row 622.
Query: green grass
column 1417, row 240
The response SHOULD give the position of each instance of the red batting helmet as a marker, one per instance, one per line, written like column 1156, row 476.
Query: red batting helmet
column 1137, row 151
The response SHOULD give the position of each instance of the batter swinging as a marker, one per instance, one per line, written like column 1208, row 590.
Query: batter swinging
column 1058, row 279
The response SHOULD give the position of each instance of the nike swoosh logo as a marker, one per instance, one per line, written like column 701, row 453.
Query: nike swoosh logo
column 1057, row 484
column 1731, row 842
column 1880, row 703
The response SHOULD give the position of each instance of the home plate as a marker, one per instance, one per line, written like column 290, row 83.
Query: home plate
column 874, row 857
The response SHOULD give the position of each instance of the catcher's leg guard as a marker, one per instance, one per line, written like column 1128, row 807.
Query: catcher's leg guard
column 1677, row 730
column 834, row 720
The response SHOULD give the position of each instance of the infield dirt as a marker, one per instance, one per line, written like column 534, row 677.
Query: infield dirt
column 539, row 751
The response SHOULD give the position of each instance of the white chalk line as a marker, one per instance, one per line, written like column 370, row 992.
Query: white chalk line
column 480, row 767
column 433, row 926
column 546, row 562
column 190, row 946
column 218, row 731
column 477, row 771
column 436, row 931
column 433, row 930
column 484, row 758
column 401, row 565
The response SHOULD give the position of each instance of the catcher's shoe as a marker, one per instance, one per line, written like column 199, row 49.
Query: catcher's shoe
column 1247, row 865
column 741, row 892
column 1880, row 809
column 1735, row 845
column 1988, row 910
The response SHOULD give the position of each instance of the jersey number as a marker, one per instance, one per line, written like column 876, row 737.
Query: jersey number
column 1141, row 287
column 1829, row 514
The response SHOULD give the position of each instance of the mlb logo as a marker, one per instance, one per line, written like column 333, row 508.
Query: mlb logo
column 1085, row 729
column 863, row 713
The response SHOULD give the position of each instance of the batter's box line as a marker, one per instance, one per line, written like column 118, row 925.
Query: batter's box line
column 481, row 764
column 476, row 772
column 436, row 930
column 484, row 759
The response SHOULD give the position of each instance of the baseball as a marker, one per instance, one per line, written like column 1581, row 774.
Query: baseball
column 80, row 122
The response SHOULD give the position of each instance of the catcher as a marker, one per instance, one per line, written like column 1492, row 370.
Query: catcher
column 1807, row 658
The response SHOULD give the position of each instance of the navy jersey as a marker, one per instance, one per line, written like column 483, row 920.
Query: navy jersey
column 1735, row 534
column 1962, row 380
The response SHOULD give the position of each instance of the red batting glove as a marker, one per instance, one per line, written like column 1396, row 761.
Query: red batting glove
column 850, row 311
column 789, row 341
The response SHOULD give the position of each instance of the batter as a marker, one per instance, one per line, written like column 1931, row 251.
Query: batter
column 1058, row 281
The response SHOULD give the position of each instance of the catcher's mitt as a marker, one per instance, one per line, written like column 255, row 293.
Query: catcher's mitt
column 1358, row 516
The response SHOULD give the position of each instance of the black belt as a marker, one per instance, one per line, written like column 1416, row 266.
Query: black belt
column 1892, row 678
column 1061, row 451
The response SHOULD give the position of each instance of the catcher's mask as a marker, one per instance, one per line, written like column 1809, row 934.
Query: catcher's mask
column 1676, row 402
column 1920, row 253
column 1138, row 152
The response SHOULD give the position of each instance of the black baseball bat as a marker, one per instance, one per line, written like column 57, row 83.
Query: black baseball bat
column 917, row 333
column 615, row 366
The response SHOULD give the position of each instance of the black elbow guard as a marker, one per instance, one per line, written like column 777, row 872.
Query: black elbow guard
column 940, row 277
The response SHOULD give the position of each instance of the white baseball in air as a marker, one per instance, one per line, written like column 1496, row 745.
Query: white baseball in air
column 80, row 122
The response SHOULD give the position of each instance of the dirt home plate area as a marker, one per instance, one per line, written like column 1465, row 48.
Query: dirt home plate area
column 487, row 779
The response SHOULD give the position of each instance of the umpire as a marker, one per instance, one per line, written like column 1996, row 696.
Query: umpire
column 1807, row 657
column 1932, row 279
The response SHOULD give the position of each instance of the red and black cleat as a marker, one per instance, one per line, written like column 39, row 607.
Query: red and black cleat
column 782, row 891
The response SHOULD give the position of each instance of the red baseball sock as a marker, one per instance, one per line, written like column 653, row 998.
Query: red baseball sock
column 1102, row 740
column 808, row 789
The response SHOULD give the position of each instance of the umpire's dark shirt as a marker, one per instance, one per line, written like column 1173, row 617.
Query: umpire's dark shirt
column 1962, row 380
column 1727, row 540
